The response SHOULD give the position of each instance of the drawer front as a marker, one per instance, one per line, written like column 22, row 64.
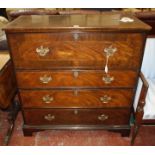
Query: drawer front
column 80, row 50
column 87, row 78
column 77, row 98
column 76, row 117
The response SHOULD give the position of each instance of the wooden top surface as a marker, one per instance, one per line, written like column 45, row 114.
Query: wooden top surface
column 105, row 21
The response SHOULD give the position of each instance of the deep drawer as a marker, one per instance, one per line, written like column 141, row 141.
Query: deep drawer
column 76, row 98
column 80, row 50
column 85, row 78
column 76, row 117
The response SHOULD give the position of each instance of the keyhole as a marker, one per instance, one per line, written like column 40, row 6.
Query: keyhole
column 76, row 36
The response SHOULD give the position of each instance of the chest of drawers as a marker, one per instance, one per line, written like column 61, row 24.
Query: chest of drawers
column 77, row 71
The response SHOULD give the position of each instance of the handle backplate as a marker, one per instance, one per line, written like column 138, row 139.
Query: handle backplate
column 45, row 79
column 109, row 51
column 49, row 117
column 105, row 99
column 107, row 79
column 103, row 117
column 42, row 51
column 47, row 99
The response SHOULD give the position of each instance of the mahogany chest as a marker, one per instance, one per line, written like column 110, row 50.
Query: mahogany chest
column 77, row 71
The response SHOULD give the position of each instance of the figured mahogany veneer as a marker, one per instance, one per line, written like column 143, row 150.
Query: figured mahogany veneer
column 77, row 71
column 77, row 98
column 7, row 85
column 80, row 50
column 86, row 78
column 76, row 116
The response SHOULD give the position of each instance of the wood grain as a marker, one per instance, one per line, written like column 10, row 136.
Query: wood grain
column 83, row 116
column 75, row 64
column 86, row 78
column 109, row 21
column 77, row 98
column 8, row 86
column 85, row 52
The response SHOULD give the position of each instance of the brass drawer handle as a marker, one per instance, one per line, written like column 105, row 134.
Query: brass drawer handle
column 109, row 51
column 47, row 99
column 49, row 117
column 45, row 79
column 103, row 117
column 105, row 99
column 107, row 79
column 42, row 51
column 76, row 36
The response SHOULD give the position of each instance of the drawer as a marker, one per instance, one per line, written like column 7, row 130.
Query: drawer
column 85, row 78
column 76, row 98
column 79, row 50
column 76, row 116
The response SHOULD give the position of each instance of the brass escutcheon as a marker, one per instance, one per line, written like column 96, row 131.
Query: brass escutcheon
column 76, row 36
column 75, row 74
column 76, row 112
column 75, row 92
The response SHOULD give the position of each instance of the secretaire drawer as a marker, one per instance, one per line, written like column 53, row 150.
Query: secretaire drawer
column 76, row 98
column 85, row 78
column 76, row 116
column 80, row 50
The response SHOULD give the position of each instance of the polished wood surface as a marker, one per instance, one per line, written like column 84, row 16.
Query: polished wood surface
column 85, row 78
column 77, row 98
column 140, row 108
column 76, row 117
column 8, row 86
column 80, row 50
column 61, row 65
column 105, row 22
